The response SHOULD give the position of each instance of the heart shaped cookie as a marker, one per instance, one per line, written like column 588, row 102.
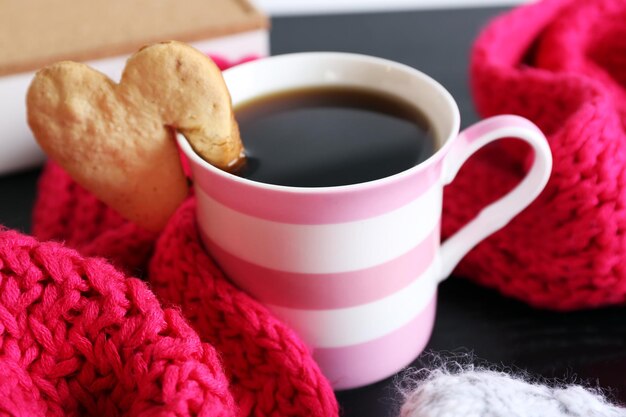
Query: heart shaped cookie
column 117, row 140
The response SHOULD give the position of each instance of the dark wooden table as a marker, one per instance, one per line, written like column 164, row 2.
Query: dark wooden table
column 587, row 347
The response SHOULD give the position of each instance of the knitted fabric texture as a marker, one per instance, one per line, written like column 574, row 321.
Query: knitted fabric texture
column 484, row 393
column 562, row 64
column 77, row 337
column 66, row 212
column 271, row 372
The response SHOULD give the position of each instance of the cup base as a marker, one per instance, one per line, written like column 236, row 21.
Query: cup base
column 366, row 363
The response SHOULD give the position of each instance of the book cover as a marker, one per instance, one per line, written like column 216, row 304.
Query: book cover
column 103, row 33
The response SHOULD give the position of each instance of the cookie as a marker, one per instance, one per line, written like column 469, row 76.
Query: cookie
column 118, row 140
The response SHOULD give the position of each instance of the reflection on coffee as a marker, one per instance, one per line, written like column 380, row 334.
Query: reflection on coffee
column 330, row 136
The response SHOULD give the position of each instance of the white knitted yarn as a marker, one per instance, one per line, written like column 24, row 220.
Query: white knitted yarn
column 485, row 393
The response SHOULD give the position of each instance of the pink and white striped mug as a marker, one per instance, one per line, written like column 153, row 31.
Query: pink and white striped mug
column 354, row 269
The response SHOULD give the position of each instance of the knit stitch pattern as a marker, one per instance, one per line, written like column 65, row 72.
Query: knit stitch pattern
column 271, row 370
column 77, row 337
column 560, row 63
column 66, row 212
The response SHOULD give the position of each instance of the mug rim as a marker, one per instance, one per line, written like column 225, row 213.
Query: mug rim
column 446, row 139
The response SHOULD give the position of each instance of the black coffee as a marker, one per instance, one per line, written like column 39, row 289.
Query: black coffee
column 331, row 136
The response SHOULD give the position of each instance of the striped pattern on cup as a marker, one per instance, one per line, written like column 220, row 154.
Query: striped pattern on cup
column 353, row 272
column 354, row 269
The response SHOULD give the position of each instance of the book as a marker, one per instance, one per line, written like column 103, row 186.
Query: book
column 103, row 34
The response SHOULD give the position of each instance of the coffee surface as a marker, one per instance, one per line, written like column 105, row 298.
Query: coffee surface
column 331, row 136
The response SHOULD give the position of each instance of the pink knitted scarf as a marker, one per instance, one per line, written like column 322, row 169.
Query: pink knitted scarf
column 80, row 337
column 562, row 64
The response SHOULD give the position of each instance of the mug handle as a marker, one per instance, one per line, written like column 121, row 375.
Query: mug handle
column 497, row 214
